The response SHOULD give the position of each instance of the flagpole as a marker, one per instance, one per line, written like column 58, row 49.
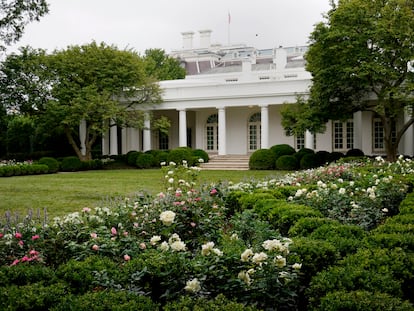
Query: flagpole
column 228, row 28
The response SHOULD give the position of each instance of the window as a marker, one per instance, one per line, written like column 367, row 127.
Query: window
column 343, row 135
column 254, row 128
column 211, row 133
column 379, row 135
column 300, row 141
column 163, row 141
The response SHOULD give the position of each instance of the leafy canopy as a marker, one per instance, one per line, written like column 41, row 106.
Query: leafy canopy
column 15, row 15
column 360, row 60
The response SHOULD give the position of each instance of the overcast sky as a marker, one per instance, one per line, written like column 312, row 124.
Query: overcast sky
column 141, row 24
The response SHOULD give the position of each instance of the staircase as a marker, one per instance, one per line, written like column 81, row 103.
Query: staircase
column 233, row 162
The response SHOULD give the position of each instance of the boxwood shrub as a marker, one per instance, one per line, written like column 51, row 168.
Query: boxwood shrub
column 179, row 154
column 262, row 159
column 145, row 160
column 362, row 300
column 71, row 164
column 287, row 163
column 282, row 149
column 306, row 225
column 132, row 156
column 201, row 154
column 52, row 163
column 309, row 161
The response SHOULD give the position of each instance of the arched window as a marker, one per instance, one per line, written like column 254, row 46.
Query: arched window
column 254, row 129
column 211, row 133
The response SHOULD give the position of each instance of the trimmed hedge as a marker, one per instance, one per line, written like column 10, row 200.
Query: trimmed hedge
column 287, row 163
column 145, row 160
column 282, row 149
column 262, row 159
column 52, row 163
column 71, row 164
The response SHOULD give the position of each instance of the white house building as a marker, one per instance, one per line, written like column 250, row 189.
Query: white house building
column 229, row 104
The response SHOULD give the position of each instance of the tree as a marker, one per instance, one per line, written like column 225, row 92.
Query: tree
column 15, row 15
column 88, row 84
column 161, row 66
column 359, row 59
column 23, row 87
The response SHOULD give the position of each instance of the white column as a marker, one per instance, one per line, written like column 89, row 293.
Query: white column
column 113, row 132
column 182, row 128
column 124, row 140
column 146, row 144
column 408, row 135
column 308, row 140
column 264, row 114
column 82, row 136
column 357, row 119
column 133, row 143
column 222, row 131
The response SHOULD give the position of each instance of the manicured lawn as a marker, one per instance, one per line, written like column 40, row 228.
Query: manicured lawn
column 64, row 193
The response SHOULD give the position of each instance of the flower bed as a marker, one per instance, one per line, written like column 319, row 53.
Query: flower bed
column 259, row 245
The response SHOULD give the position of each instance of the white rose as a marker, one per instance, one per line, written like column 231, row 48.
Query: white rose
column 193, row 286
column 167, row 217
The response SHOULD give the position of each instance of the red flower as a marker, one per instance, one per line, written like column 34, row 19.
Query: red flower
column 18, row 235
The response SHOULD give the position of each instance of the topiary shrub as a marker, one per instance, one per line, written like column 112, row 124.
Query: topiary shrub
column 161, row 157
column 322, row 157
column 309, row 161
column 145, row 160
column 355, row 153
column 116, row 300
column 179, row 154
column 71, row 164
column 282, row 149
column 287, row 163
column 335, row 156
column 201, row 154
column 362, row 300
column 220, row 303
column 52, row 164
column 302, row 152
column 262, row 159
column 132, row 157
column 306, row 225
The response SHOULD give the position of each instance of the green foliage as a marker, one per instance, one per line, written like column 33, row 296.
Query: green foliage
column 132, row 157
column 287, row 163
column 374, row 270
column 322, row 157
column 34, row 296
column 52, row 163
column 16, row 15
column 306, row 225
column 282, row 149
column 219, row 303
column 180, row 154
column 249, row 200
column 309, row 161
column 115, row 300
column 262, row 159
column 362, row 301
column 201, row 154
column 71, row 164
column 145, row 160
column 160, row 66
column 21, row 275
column 355, row 153
column 302, row 152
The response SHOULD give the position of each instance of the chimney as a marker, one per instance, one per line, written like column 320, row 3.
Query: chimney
column 187, row 40
column 205, row 38
column 280, row 59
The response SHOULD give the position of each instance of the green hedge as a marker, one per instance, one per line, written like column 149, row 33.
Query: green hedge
column 262, row 159
column 23, row 169
column 287, row 163
column 52, row 163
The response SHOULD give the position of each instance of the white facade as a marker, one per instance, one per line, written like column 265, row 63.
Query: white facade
column 230, row 103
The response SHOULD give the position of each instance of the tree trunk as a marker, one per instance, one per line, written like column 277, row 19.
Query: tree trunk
column 75, row 146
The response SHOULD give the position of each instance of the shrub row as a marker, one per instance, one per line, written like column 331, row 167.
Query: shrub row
column 285, row 157
column 154, row 158
column 24, row 169
column 344, row 267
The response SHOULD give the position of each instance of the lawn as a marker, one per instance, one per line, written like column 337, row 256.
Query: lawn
column 64, row 193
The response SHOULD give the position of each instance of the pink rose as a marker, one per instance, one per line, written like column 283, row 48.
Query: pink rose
column 193, row 224
column 15, row 262
column 1, row 235
column 35, row 237
column 86, row 210
column 125, row 233
column 113, row 231
column 18, row 235
column 21, row 243
column 94, row 235
column 142, row 245
column 213, row 191
column 127, row 257
column 95, row 247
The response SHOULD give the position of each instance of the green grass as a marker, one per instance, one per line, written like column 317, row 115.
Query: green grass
column 64, row 193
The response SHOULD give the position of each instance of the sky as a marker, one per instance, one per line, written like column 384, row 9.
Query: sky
column 142, row 24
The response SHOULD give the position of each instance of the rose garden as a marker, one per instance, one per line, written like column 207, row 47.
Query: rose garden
column 337, row 237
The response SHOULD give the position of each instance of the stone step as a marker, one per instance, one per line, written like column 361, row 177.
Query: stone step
column 227, row 162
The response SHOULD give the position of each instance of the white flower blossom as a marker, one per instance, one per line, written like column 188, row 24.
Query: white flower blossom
column 193, row 286
column 280, row 261
column 178, row 246
column 245, row 256
column 297, row 266
column 258, row 258
column 167, row 217
column 155, row 239
column 164, row 246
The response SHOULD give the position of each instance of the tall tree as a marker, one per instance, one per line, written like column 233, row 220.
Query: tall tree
column 161, row 66
column 360, row 60
column 15, row 15
column 88, row 84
